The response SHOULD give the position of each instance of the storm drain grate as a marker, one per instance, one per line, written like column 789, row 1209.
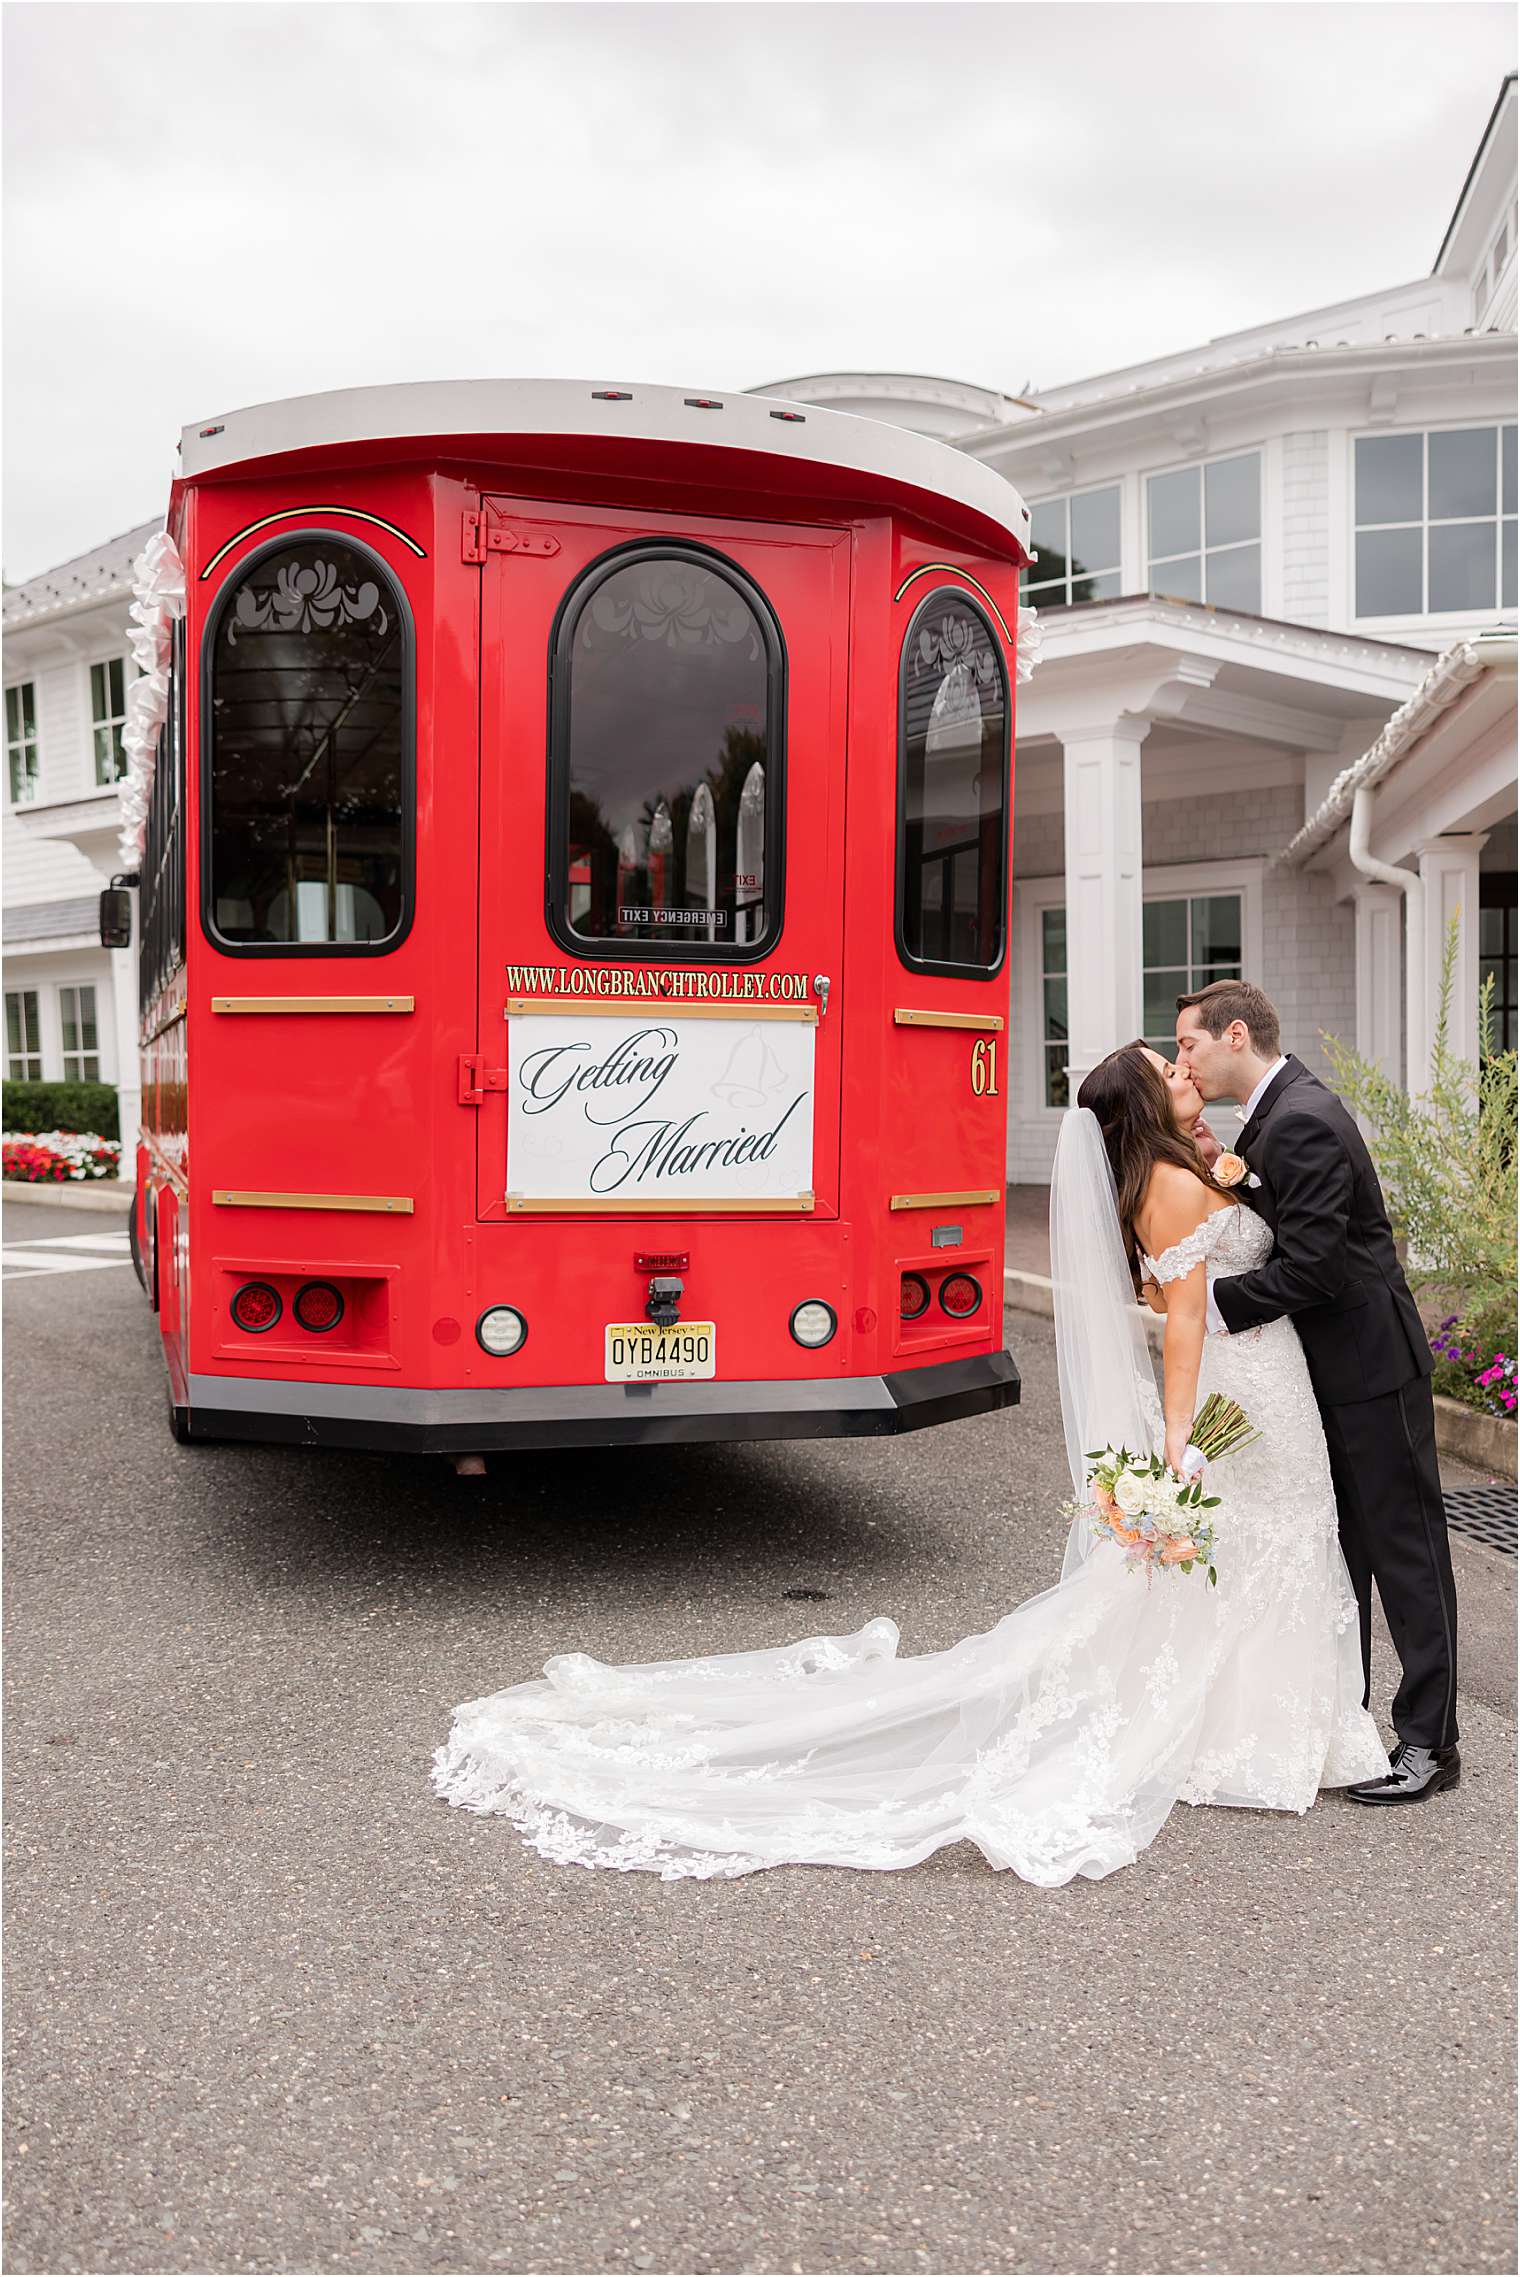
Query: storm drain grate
column 1484, row 1514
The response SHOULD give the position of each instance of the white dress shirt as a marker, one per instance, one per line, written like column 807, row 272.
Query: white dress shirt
column 1215, row 1321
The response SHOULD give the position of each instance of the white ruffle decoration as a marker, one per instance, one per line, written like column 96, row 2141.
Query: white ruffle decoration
column 158, row 588
column 1030, row 641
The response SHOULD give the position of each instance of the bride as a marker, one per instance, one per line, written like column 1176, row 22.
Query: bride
column 1058, row 1741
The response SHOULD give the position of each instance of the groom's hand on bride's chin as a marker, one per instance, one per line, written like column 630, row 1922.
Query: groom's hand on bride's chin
column 1206, row 1143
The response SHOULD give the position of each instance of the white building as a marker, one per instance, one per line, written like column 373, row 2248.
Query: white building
column 1272, row 730
column 1273, row 570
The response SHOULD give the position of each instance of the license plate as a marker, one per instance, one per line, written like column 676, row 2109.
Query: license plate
column 638, row 1352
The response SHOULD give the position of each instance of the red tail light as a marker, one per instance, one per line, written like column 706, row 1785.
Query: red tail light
column 318, row 1307
column 914, row 1301
column 960, row 1295
column 256, row 1307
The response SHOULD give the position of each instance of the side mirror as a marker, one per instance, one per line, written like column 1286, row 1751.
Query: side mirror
column 115, row 916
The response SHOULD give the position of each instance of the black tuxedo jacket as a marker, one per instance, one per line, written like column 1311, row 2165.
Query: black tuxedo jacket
column 1333, row 1268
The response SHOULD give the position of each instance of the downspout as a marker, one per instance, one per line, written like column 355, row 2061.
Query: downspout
column 1412, row 886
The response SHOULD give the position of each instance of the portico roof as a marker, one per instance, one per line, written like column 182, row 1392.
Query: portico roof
column 1219, row 670
column 1466, row 695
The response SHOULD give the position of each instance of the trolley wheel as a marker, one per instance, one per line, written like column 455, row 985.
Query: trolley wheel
column 135, row 1244
column 179, row 1425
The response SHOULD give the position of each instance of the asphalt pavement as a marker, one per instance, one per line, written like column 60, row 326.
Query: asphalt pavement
column 271, row 2006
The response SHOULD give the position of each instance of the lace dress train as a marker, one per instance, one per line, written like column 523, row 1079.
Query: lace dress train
column 1057, row 1741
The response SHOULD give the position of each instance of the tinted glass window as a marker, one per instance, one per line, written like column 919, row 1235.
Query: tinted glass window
column 666, row 777
column 308, row 735
column 952, row 830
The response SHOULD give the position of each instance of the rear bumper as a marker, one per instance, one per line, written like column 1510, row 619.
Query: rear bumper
column 594, row 1415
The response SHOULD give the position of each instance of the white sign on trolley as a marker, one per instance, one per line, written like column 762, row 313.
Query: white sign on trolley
column 659, row 1109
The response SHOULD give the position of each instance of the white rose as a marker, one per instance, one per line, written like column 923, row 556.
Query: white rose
column 1130, row 1494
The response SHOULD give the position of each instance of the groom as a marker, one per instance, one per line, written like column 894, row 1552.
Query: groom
column 1335, row 1274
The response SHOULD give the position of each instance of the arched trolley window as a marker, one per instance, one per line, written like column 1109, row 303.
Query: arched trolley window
column 666, row 759
column 952, row 790
column 309, row 753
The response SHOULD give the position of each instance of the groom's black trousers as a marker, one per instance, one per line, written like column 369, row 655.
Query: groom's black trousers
column 1393, row 1531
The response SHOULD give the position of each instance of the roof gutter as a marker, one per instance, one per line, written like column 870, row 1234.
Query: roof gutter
column 1412, row 886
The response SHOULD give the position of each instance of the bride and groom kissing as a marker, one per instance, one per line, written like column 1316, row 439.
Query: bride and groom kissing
column 1060, row 1739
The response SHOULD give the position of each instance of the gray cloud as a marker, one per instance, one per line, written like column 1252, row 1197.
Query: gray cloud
column 209, row 206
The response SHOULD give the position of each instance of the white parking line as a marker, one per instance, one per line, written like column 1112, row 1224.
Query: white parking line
column 20, row 1262
column 114, row 1242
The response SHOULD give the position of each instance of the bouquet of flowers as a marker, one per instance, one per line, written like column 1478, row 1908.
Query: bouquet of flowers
column 1155, row 1517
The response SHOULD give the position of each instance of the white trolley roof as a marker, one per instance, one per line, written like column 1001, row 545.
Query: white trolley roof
column 500, row 409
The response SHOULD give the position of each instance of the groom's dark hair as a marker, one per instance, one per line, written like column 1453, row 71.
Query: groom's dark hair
column 1226, row 1000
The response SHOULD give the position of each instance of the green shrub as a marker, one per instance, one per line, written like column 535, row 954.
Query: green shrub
column 1446, row 1156
column 61, row 1107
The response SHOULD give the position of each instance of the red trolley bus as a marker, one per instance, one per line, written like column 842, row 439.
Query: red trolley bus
column 573, row 922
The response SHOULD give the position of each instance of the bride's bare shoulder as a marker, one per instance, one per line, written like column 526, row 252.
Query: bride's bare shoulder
column 1175, row 1202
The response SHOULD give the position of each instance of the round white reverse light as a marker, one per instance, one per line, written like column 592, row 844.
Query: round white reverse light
column 813, row 1323
column 501, row 1331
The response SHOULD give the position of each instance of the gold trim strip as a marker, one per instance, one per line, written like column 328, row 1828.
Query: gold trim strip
column 171, row 1019
column 521, row 1204
column 931, row 568
column 302, row 513
column 313, row 1003
column 991, row 1022
column 396, row 1205
column 661, row 1007
column 942, row 1201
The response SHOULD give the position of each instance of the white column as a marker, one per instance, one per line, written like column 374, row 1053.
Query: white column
column 1449, row 873
column 123, row 964
column 1379, row 976
column 1103, row 881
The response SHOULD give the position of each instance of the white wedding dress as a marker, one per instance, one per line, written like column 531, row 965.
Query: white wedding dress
column 1058, row 1741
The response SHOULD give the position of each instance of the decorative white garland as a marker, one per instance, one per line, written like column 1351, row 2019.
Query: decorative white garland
column 158, row 588
column 1030, row 642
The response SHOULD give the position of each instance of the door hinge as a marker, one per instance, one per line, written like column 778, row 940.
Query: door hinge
column 482, row 536
column 476, row 1079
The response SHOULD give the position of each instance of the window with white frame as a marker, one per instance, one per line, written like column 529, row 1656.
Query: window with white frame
column 1435, row 522
column 23, row 1036
column 1203, row 533
column 1188, row 940
column 81, row 1038
column 21, row 741
column 1077, row 541
column 1501, row 254
column 108, row 716
column 1055, row 1047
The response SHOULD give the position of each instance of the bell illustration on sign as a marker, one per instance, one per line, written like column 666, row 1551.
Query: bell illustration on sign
column 753, row 1074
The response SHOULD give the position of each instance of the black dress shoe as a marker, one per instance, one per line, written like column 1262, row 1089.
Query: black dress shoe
column 1413, row 1773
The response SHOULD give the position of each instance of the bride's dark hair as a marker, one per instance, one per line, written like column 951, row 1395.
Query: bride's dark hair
column 1134, row 1110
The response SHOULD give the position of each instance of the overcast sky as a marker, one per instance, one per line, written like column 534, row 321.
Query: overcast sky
column 212, row 205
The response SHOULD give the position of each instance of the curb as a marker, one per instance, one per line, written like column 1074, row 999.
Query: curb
column 113, row 1194
column 1035, row 1292
column 1484, row 1442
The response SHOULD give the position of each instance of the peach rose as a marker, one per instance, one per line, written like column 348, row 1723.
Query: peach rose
column 1104, row 1500
column 1123, row 1536
column 1229, row 1170
column 1176, row 1553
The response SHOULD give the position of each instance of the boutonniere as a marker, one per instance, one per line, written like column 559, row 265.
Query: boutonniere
column 1230, row 1169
